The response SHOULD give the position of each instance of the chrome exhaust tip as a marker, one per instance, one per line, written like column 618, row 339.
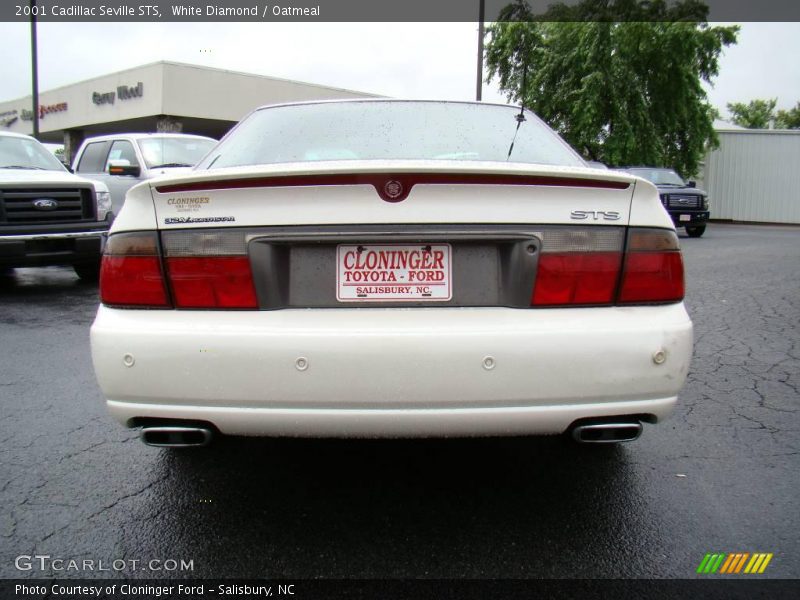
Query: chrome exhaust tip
column 176, row 437
column 606, row 433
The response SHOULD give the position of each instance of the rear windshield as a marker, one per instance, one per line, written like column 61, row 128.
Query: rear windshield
column 390, row 131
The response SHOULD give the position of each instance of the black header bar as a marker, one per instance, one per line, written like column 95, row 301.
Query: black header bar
column 156, row 11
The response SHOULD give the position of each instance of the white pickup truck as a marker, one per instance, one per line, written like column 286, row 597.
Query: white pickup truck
column 122, row 160
column 48, row 216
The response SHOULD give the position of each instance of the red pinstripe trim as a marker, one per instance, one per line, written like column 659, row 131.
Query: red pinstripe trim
column 378, row 181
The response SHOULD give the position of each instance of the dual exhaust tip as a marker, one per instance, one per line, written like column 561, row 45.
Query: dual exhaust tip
column 607, row 432
column 178, row 436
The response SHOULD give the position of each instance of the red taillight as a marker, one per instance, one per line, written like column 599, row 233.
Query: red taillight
column 653, row 268
column 576, row 278
column 587, row 267
column 209, row 269
column 201, row 269
column 578, row 266
column 212, row 282
column 131, row 272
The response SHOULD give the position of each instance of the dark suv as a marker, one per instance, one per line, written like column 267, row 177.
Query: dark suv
column 687, row 205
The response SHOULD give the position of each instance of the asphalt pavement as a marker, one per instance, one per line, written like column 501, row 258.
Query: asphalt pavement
column 722, row 475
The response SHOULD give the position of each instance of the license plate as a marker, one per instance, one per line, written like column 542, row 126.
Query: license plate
column 685, row 217
column 393, row 272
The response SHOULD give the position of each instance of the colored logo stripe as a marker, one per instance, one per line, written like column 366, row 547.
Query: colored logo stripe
column 734, row 562
column 729, row 563
column 758, row 563
column 710, row 564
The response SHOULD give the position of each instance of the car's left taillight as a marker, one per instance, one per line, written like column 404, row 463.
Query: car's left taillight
column 209, row 269
column 193, row 269
column 131, row 273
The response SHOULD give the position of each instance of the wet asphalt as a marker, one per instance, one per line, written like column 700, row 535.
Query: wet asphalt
column 722, row 475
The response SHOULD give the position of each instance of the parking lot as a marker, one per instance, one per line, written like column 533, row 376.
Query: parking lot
column 722, row 475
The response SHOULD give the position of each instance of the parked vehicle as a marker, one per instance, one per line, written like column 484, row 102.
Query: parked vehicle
column 48, row 216
column 123, row 160
column 687, row 205
column 378, row 268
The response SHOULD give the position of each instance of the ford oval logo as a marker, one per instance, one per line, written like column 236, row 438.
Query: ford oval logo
column 45, row 204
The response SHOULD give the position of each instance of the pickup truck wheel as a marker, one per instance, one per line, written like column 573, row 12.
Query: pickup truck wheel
column 696, row 231
column 88, row 271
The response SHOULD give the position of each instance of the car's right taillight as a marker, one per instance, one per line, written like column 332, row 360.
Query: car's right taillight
column 600, row 266
column 653, row 268
column 578, row 266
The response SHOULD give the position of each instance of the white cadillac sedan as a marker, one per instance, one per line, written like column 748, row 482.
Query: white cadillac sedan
column 382, row 268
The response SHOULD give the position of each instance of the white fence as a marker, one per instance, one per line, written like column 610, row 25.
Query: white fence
column 754, row 175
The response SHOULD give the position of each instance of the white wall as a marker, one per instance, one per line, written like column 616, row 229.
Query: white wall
column 754, row 175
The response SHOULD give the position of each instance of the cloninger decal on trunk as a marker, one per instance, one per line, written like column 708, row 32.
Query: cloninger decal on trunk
column 179, row 220
column 192, row 204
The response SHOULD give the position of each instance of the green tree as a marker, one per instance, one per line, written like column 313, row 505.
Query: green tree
column 620, row 80
column 756, row 114
column 788, row 119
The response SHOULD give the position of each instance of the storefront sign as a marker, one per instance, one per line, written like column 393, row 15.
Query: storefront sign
column 44, row 109
column 107, row 98
column 123, row 93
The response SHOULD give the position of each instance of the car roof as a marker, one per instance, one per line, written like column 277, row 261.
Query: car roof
column 17, row 135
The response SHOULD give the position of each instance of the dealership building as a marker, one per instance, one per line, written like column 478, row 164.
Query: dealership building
column 158, row 97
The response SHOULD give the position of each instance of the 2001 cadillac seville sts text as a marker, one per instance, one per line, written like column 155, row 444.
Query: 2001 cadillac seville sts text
column 391, row 268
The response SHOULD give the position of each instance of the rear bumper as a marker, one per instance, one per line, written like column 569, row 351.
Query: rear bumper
column 409, row 422
column 391, row 372
column 54, row 248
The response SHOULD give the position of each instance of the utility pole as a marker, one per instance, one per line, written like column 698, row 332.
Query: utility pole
column 34, row 72
column 479, row 83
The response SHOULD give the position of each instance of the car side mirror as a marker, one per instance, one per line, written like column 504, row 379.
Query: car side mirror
column 692, row 184
column 123, row 167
